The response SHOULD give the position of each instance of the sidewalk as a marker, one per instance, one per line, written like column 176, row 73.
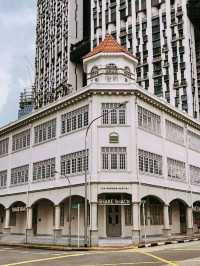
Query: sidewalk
column 167, row 241
column 151, row 242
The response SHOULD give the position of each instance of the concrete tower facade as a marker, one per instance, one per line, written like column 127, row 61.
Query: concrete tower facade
column 59, row 25
column 161, row 33
column 162, row 36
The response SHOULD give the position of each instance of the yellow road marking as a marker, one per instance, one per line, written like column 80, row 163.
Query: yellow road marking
column 172, row 263
column 45, row 259
column 188, row 249
column 124, row 263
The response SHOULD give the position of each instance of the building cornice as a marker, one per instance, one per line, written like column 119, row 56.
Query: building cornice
column 96, row 89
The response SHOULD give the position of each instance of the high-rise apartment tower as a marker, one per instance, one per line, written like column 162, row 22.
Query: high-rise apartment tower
column 162, row 36
column 60, row 25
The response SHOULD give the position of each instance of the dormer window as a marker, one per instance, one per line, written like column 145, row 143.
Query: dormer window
column 94, row 73
column 111, row 72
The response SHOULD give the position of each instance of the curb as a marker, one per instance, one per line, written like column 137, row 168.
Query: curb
column 103, row 248
column 167, row 242
column 64, row 248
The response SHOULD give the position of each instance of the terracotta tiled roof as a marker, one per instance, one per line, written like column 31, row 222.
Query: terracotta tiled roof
column 108, row 45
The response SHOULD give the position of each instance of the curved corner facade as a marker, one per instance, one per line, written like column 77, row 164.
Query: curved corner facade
column 143, row 169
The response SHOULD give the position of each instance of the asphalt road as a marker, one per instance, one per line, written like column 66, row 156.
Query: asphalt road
column 180, row 254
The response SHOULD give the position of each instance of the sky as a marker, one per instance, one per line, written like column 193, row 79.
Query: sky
column 17, row 52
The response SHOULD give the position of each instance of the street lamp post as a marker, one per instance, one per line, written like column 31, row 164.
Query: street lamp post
column 70, row 204
column 86, row 184
column 27, row 206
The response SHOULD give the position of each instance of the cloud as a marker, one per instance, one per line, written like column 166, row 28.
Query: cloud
column 17, row 49
column 5, row 82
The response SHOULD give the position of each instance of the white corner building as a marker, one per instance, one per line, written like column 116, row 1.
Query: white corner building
column 142, row 156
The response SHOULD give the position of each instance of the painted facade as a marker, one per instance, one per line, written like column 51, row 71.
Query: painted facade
column 142, row 158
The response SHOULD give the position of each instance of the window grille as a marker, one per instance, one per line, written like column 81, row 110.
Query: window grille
column 45, row 131
column 113, row 116
column 149, row 121
column 4, row 146
column 74, row 163
column 156, row 214
column 176, row 170
column 150, row 163
column 111, row 73
column 114, row 158
column 127, row 73
column 114, row 138
column 194, row 175
column 174, row 132
column 44, row 170
column 194, row 141
column 94, row 73
column 19, row 175
column 3, row 179
column 21, row 141
column 74, row 120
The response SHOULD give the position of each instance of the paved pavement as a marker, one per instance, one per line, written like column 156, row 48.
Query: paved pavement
column 178, row 254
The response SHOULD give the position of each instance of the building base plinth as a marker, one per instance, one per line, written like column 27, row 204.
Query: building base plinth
column 57, row 233
column 189, row 231
column 94, row 238
column 136, row 236
column 7, row 231
column 29, row 232
column 167, row 232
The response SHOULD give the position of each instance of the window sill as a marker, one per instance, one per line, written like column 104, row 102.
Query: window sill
column 73, row 175
column 193, row 149
column 46, row 141
column 173, row 141
column 178, row 180
column 18, row 185
column 111, row 126
column 151, row 174
column 23, row 149
column 4, row 155
column 150, row 132
column 43, row 180
column 114, row 171
column 72, row 132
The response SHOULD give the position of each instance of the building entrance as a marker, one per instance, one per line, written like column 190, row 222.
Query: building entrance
column 113, row 223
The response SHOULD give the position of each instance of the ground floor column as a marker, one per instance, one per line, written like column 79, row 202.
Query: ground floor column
column 189, row 221
column 57, row 229
column 29, row 227
column 166, row 228
column 136, row 222
column 93, row 224
column 7, row 222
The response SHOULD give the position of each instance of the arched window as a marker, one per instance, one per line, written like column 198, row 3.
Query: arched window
column 114, row 138
column 94, row 73
column 111, row 72
column 127, row 73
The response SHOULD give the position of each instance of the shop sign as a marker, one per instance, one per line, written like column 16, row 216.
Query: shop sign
column 114, row 202
column 18, row 209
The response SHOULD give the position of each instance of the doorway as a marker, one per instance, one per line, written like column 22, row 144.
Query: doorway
column 113, row 220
